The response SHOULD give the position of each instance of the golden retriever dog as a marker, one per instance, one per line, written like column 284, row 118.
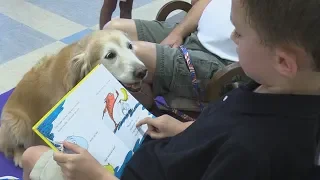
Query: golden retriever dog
column 50, row 79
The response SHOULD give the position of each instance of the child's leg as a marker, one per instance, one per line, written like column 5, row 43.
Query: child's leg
column 30, row 158
column 107, row 9
column 38, row 163
column 126, row 9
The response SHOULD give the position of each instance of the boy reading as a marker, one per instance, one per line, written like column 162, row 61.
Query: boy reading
column 264, row 130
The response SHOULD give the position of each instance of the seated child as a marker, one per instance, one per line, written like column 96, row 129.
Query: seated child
column 264, row 130
column 108, row 8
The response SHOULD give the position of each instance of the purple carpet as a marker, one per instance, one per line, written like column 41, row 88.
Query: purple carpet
column 7, row 167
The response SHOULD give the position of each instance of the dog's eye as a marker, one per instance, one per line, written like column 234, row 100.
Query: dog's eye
column 130, row 46
column 110, row 55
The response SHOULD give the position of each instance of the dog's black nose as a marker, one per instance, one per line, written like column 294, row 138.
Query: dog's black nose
column 141, row 73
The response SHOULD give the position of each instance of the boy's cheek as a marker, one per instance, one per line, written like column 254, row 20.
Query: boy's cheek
column 243, row 55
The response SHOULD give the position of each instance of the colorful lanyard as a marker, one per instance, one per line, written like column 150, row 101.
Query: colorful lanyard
column 175, row 111
column 193, row 76
column 195, row 85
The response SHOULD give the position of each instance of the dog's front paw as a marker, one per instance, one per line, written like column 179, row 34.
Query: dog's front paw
column 17, row 157
column 17, row 161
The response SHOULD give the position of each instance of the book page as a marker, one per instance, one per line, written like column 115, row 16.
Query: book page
column 121, row 114
column 100, row 116
column 126, row 121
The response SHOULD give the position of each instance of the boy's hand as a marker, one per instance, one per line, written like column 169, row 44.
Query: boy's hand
column 173, row 39
column 163, row 126
column 79, row 166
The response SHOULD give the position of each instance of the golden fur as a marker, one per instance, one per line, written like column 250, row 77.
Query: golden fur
column 50, row 79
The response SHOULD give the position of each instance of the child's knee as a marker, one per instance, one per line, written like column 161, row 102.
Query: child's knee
column 32, row 155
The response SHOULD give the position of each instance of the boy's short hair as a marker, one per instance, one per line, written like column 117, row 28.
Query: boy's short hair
column 280, row 22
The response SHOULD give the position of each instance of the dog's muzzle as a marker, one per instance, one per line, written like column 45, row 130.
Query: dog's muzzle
column 140, row 73
column 136, row 87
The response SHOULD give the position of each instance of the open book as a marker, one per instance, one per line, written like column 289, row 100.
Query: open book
column 100, row 115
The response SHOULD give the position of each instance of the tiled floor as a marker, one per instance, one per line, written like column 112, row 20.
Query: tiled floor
column 30, row 29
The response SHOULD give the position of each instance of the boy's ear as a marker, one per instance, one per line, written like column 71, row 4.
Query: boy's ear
column 286, row 62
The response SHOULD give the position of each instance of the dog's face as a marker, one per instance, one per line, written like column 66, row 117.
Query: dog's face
column 119, row 58
column 115, row 51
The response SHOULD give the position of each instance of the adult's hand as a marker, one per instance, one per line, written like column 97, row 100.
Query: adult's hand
column 173, row 40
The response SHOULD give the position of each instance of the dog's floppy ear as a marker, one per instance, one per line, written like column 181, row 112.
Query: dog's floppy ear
column 78, row 68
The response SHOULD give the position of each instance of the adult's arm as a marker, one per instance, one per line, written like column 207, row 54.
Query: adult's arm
column 190, row 22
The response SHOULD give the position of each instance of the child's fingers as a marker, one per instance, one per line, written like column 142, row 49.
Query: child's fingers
column 147, row 120
column 59, row 157
column 141, row 122
column 73, row 147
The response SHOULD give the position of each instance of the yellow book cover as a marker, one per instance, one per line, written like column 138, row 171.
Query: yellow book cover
column 100, row 115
